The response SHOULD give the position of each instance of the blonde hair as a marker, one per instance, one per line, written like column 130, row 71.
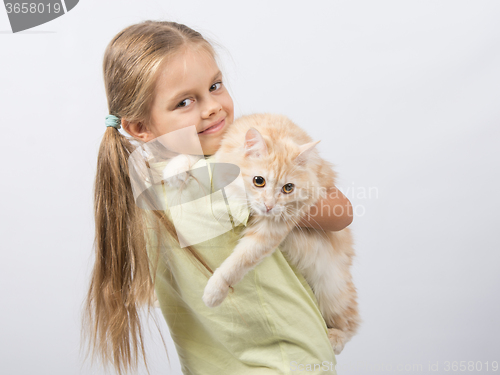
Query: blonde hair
column 123, row 276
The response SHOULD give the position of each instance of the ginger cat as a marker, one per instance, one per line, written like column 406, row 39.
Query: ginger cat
column 284, row 176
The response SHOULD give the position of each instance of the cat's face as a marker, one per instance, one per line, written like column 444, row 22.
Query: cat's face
column 275, row 191
column 279, row 181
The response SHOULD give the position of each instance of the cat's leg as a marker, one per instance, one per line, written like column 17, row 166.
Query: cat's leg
column 325, row 265
column 337, row 340
column 256, row 244
column 336, row 292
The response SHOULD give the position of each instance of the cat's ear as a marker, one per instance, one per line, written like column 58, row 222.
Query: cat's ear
column 254, row 143
column 304, row 151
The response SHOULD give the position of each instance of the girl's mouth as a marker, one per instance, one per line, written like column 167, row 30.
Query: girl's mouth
column 214, row 128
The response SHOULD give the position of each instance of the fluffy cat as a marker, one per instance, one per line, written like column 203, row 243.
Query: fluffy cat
column 283, row 177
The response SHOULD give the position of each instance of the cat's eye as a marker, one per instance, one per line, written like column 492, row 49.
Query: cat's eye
column 288, row 188
column 259, row 181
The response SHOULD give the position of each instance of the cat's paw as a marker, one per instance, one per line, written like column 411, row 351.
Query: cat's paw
column 176, row 173
column 215, row 291
column 337, row 339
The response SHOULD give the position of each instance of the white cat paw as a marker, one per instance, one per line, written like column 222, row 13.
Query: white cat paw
column 337, row 339
column 215, row 291
column 176, row 173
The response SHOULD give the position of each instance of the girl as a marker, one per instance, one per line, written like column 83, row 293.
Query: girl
column 160, row 77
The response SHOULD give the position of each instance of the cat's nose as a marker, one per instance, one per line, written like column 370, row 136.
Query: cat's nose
column 268, row 208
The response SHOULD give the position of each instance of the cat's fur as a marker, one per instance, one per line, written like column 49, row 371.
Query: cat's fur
column 273, row 147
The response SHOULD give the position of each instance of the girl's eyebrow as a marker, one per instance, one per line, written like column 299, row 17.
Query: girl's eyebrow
column 187, row 92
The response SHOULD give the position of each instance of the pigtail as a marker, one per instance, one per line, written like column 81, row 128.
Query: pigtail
column 121, row 282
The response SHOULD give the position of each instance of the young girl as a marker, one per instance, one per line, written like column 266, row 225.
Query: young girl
column 160, row 77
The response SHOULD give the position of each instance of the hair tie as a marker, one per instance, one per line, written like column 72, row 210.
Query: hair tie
column 113, row 121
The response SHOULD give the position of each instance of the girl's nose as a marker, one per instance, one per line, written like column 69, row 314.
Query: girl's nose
column 212, row 107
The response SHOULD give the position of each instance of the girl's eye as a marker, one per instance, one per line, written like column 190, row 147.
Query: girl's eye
column 217, row 87
column 259, row 181
column 288, row 188
column 183, row 103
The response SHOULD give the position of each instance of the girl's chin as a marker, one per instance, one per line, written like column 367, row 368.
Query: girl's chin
column 210, row 149
column 210, row 146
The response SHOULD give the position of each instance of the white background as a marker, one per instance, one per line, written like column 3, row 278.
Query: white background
column 405, row 98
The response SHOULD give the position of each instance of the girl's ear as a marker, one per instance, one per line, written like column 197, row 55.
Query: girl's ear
column 304, row 151
column 137, row 130
column 254, row 144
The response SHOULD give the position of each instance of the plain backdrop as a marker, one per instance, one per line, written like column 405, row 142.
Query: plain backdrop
column 405, row 96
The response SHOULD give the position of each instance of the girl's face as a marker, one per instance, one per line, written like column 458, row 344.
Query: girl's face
column 189, row 91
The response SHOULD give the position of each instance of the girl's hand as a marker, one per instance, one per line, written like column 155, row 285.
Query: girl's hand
column 332, row 213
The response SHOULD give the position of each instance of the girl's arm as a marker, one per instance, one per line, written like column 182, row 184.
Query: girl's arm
column 333, row 213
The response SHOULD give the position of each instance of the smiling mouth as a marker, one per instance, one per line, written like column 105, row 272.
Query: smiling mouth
column 214, row 128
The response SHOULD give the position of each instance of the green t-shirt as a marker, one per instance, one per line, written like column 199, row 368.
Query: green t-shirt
column 270, row 324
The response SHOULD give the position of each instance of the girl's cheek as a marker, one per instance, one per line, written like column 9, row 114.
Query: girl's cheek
column 229, row 106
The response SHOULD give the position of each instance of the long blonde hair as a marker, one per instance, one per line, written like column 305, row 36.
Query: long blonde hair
column 123, row 276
